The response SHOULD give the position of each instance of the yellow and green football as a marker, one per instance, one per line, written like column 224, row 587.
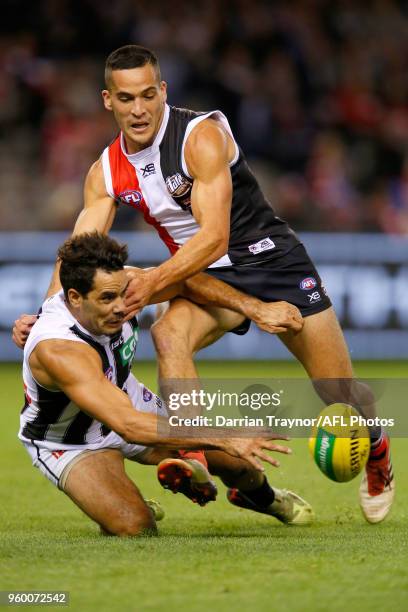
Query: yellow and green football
column 340, row 443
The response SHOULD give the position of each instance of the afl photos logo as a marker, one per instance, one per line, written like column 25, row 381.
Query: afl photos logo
column 180, row 190
column 130, row 198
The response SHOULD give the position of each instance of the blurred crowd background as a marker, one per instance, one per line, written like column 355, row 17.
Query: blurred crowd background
column 316, row 92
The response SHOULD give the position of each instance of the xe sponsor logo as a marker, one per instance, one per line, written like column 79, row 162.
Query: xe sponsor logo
column 314, row 297
column 148, row 170
column 308, row 283
column 131, row 198
column 159, row 403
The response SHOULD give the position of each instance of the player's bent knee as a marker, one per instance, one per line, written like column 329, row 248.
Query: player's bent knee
column 168, row 338
column 128, row 524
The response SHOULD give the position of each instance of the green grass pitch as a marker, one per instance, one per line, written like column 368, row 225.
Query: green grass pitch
column 219, row 557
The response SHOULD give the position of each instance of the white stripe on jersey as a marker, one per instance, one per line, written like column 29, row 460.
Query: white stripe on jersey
column 180, row 224
column 107, row 173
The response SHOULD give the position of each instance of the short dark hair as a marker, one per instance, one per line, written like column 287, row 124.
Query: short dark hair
column 130, row 56
column 83, row 255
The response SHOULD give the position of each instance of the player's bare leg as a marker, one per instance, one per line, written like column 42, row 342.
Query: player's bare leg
column 181, row 328
column 99, row 485
column 321, row 349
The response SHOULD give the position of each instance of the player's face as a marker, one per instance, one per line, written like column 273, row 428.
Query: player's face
column 102, row 310
column 137, row 99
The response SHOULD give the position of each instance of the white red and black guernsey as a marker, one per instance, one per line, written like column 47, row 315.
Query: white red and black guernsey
column 49, row 417
column 156, row 182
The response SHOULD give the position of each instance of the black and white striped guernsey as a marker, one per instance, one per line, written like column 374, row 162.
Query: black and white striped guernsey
column 49, row 417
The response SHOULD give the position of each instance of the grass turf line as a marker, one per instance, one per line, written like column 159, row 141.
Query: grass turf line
column 218, row 556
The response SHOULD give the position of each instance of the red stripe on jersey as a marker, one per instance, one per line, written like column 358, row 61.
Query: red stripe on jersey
column 127, row 191
column 124, row 179
column 163, row 233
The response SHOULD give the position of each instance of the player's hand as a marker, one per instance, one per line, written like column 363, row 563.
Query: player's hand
column 276, row 317
column 141, row 287
column 22, row 328
column 253, row 449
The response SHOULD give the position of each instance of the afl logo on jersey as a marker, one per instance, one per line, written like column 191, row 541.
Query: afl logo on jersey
column 180, row 190
column 131, row 198
column 308, row 283
column 147, row 395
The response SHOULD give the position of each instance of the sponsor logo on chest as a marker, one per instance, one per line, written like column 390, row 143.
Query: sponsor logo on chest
column 148, row 170
column 127, row 350
column 179, row 187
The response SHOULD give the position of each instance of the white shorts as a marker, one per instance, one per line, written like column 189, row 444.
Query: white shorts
column 56, row 464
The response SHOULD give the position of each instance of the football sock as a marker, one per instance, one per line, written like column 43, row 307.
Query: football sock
column 376, row 433
column 197, row 455
column 378, row 446
column 261, row 496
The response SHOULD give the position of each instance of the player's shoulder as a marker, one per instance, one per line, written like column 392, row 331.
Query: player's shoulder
column 95, row 179
column 64, row 359
column 208, row 139
column 96, row 170
column 196, row 121
column 55, row 321
column 209, row 129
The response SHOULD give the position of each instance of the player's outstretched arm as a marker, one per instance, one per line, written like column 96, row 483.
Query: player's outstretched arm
column 273, row 317
column 75, row 369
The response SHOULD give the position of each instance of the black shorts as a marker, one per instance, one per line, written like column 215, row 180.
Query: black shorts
column 291, row 278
